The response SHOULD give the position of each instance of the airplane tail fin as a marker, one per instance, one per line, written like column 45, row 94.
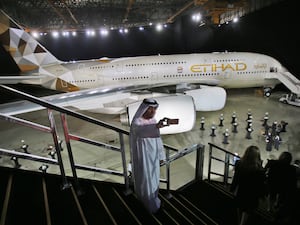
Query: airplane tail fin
column 28, row 53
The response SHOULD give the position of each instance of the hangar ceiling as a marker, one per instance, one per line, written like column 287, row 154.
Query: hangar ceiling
column 48, row 15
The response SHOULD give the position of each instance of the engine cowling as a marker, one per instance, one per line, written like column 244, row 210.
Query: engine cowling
column 208, row 98
column 174, row 107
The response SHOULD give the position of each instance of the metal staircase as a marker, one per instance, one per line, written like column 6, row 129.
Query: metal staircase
column 31, row 197
column 39, row 197
column 290, row 81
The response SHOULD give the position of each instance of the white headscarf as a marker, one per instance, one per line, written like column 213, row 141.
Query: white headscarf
column 147, row 102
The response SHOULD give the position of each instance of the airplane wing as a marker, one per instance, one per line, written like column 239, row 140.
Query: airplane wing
column 77, row 100
column 123, row 101
column 114, row 99
column 21, row 79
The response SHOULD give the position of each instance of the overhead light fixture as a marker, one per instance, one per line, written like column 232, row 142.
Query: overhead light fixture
column 196, row 17
column 55, row 34
column 90, row 33
column 35, row 34
column 235, row 19
column 159, row 27
column 65, row 33
column 104, row 32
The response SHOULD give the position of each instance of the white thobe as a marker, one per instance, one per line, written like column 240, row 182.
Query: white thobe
column 146, row 151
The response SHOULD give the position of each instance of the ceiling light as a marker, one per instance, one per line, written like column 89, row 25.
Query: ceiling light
column 104, row 32
column 65, row 33
column 196, row 17
column 90, row 33
column 159, row 27
column 35, row 34
column 55, row 34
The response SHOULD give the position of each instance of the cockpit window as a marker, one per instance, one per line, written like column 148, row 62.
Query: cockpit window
column 273, row 69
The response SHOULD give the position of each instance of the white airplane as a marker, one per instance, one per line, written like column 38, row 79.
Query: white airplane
column 184, row 83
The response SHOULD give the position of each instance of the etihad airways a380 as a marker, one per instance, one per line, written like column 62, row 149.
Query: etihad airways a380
column 181, row 83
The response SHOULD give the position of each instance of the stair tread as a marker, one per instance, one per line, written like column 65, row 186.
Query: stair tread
column 26, row 203
column 196, row 203
column 4, row 174
column 62, row 204
column 116, row 207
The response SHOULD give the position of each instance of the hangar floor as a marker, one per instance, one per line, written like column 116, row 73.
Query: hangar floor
column 239, row 101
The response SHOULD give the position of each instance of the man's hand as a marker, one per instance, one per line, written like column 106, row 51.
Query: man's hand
column 163, row 122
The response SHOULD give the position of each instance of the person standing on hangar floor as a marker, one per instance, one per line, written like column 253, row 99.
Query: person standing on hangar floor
column 147, row 151
column 248, row 183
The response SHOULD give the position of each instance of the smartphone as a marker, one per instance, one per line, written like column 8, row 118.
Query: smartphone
column 173, row 121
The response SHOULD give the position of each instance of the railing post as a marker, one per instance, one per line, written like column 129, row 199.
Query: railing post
column 70, row 153
column 209, row 161
column 168, row 195
column 58, row 149
column 226, row 169
column 199, row 162
column 124, row 164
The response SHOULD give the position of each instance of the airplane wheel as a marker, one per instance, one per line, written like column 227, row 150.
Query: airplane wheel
column 267, row 94
column 267, row 91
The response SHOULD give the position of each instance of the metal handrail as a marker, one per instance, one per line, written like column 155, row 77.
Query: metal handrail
column 68, row 136
column 228, row 161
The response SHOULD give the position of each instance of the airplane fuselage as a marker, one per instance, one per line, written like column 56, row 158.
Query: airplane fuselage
column 227, row 69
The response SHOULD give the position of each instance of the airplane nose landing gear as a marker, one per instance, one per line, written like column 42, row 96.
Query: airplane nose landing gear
column 267, row 92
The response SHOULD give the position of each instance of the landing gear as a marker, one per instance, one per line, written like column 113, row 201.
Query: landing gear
column 267, row 91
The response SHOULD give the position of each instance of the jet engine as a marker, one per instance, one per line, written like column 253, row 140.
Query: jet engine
column 179, row 107
column 208, row 98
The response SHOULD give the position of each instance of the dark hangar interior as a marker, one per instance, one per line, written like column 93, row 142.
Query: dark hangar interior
column 264, row 26
column 80, row 14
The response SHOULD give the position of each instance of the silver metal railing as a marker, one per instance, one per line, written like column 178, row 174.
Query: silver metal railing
column 223, row 157
column 68, row 137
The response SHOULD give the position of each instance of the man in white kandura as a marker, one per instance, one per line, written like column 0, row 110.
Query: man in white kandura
column 147, row 151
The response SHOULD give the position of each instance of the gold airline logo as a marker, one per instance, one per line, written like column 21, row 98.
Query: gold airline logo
column 260, row 66
column 203, row 68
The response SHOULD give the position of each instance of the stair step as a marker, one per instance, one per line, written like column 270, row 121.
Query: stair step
column 39, row 198
column 189, row 208
column 212, row 202
column 137, row 207
column 62, row 204
column 178, row 212
column 119, row 211
column 4, row 176
column 92, row 207
column 26, row 200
